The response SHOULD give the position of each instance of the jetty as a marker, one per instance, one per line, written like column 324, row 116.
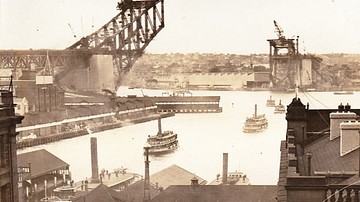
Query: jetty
column 124, row 119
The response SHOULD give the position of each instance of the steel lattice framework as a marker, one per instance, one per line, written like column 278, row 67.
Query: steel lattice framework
column 124, row 37
column 28, row 59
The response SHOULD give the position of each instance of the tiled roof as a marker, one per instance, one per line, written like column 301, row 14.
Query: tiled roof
column 41, row 163
column 326, row 156
column 174, row 175
column 135, row 192
column 101, row 193
column 218, row 193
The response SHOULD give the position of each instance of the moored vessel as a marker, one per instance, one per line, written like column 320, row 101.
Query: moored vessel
column 256, row 123
column 279, row 109
column 162, row 142
column 270, row 102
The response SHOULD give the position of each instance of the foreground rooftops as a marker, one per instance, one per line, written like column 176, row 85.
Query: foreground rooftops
column 40, row 162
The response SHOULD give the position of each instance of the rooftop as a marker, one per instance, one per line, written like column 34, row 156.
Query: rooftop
column 41, row 162
column 174, row 175
column 218, row 193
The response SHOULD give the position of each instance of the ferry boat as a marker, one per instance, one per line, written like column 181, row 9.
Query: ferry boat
column 279, row 109
column 162, row 142
column 270, row 102
column 256, row 123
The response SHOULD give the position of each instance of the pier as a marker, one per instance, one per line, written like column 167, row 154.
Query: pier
column 124, row 119
column 178, row 104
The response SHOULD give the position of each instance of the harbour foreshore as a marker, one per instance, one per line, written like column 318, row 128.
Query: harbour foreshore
column 70, row 128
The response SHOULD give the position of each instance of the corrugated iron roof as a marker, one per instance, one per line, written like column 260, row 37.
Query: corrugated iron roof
column 174, row 175
column 218, row 193
column 41, row 162
column 101, row 193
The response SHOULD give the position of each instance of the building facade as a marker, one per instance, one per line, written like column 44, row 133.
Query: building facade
column 320, row 156
column 8, row 160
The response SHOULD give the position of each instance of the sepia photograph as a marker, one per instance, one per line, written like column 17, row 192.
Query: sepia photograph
column 179, row 101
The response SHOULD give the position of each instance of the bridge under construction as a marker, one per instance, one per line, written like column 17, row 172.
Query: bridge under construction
column 288, row 67
column 98, row 60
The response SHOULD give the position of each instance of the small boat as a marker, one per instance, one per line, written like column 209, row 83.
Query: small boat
column 279, row 109
column 162, row 142
column 270, row 102
column 256, row 123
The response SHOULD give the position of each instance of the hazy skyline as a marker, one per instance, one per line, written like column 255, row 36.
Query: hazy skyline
column 231, row 26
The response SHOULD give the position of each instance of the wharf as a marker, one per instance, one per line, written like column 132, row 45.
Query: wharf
column 117, row 180
column 102, row 126
column 179, row 104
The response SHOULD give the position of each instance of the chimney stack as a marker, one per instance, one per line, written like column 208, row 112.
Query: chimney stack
column 309, row 156
column 94, row 160
column 349, row 136
column 225, row 168
column 147, row 174
column 343, row 114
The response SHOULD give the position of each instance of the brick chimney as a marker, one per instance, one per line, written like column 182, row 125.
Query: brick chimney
column 94, row 160
column 343, row 114
column 349, row 136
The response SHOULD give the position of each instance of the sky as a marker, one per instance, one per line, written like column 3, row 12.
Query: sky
column 204, row 26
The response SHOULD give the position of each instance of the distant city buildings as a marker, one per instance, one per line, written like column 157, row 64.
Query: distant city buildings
column 322, row 72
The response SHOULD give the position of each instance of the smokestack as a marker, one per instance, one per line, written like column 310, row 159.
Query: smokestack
column 94, row 160
column 147, row 175
column 159, row 125
column 309, row 156
column 225, row 168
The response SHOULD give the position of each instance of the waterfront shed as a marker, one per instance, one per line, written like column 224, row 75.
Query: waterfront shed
column 174, row 175
column 101, row 193
column 44, row 169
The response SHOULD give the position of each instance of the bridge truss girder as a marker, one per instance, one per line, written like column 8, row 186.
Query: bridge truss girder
column 28, row 59
column 124, row 37
column 127, row 34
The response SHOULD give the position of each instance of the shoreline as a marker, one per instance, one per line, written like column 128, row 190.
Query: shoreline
column 83, row 131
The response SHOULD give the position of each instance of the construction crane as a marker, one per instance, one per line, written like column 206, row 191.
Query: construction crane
column 279, row 31
column 72, row 30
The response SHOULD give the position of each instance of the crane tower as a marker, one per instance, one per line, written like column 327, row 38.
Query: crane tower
column 289, row 67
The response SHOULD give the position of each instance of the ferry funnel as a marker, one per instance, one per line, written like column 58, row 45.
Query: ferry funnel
column 159, row 125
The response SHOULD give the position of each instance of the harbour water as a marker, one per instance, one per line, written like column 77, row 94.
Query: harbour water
column 202, row 138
